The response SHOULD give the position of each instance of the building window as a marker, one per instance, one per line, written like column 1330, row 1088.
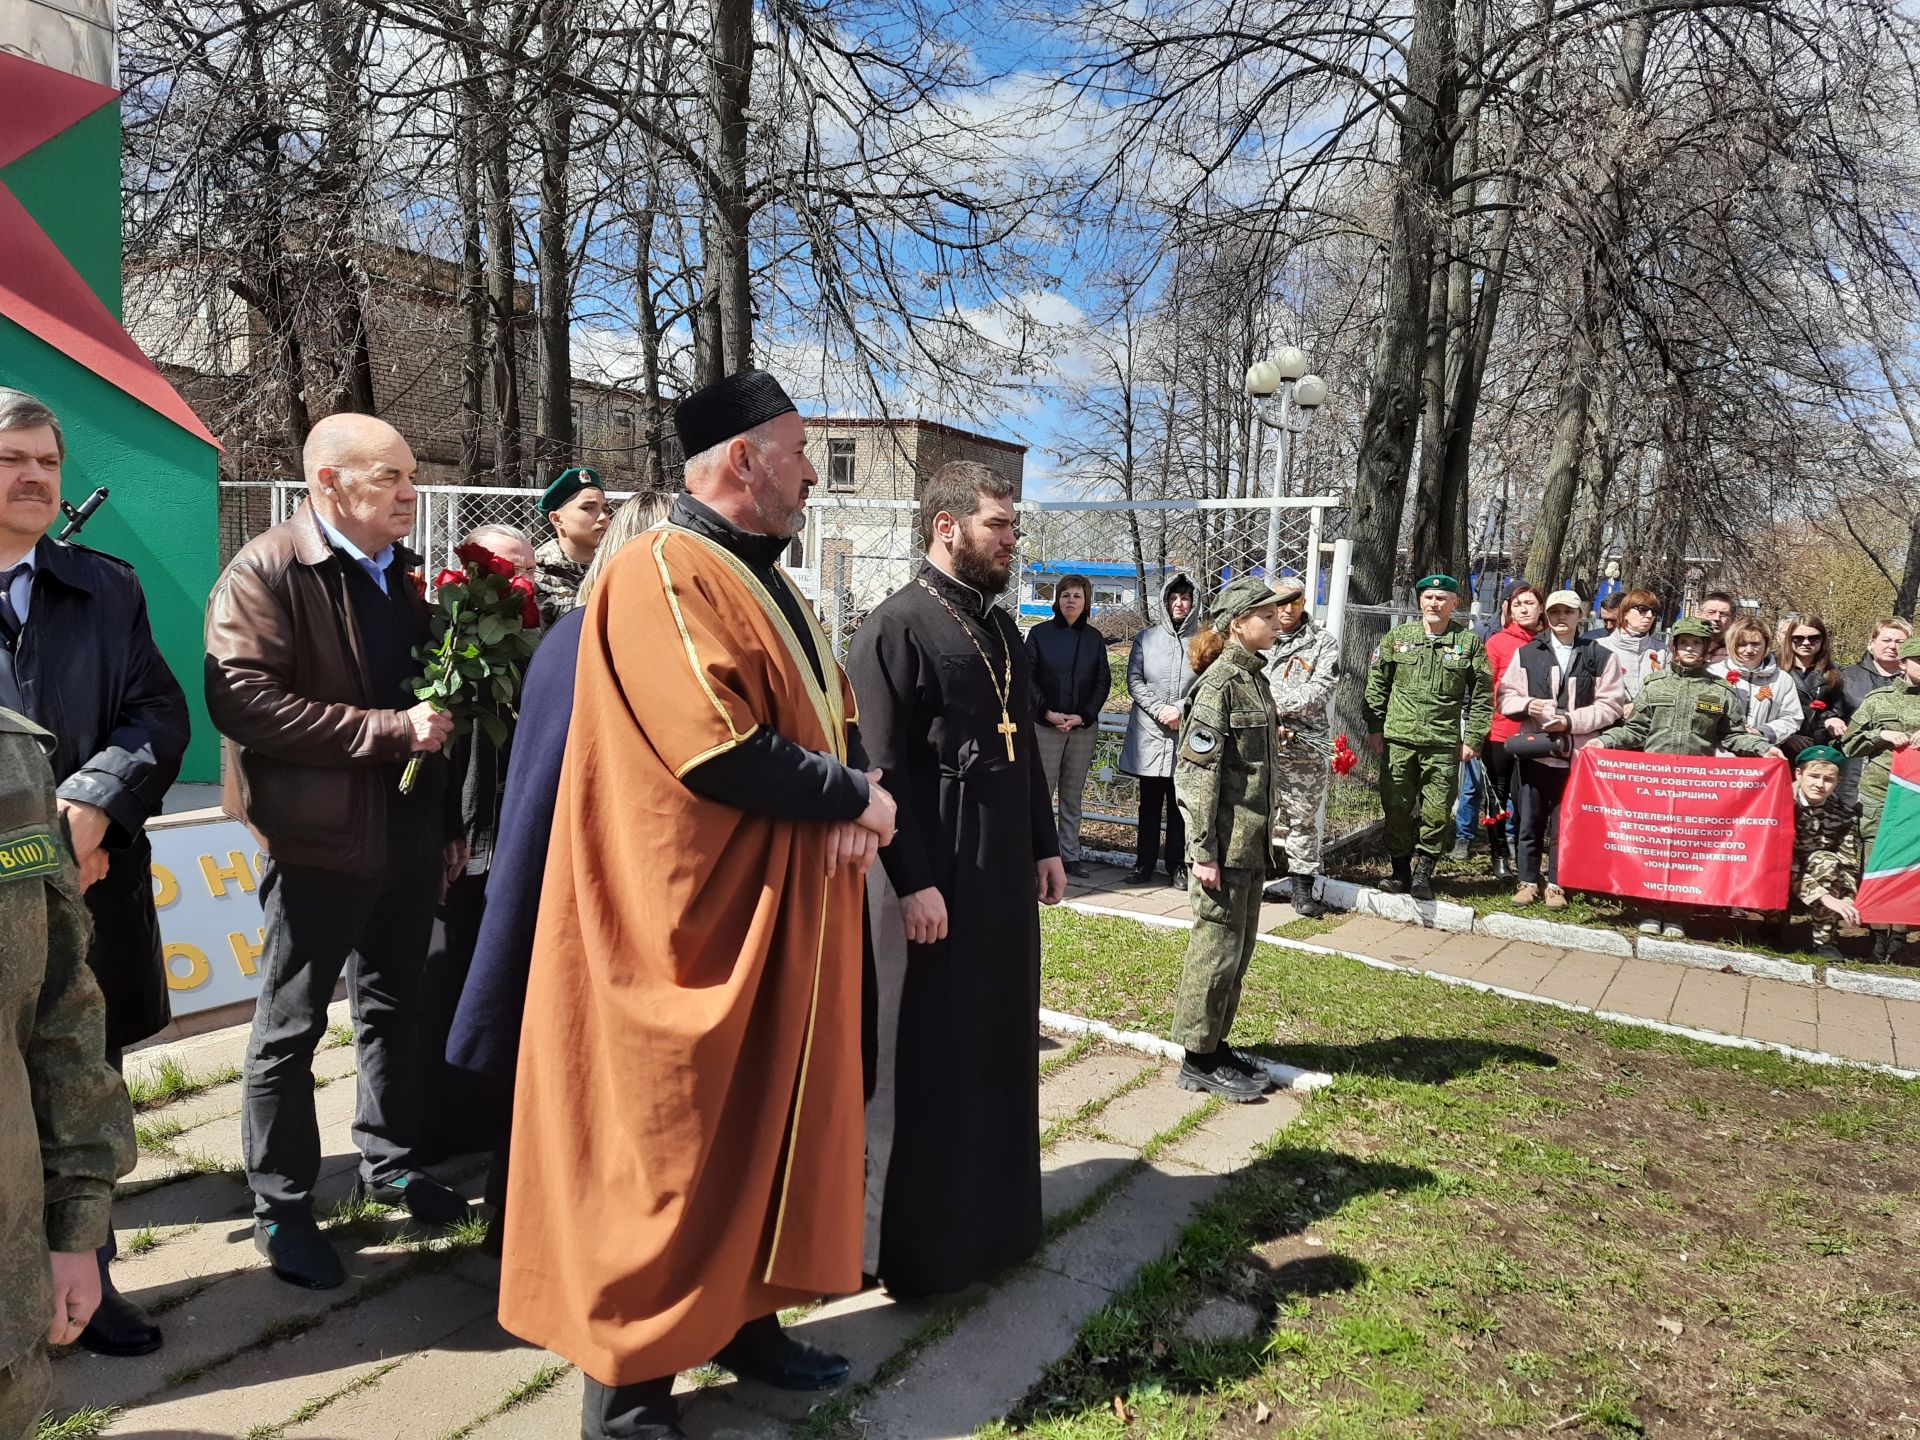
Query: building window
column 623, row 429
column 1104, row 596
column 578, row 438
column 840, row 465
column 1043, row 590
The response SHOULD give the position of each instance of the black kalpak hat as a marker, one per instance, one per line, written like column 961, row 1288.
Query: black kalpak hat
column 728, row 408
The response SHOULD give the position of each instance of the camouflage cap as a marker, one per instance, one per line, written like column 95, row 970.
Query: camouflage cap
column 1691, row 628
column 1820, row 752
column 1910, row 648
column 1249, row 592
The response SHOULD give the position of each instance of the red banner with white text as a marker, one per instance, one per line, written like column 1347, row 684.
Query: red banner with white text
column 1679, row 828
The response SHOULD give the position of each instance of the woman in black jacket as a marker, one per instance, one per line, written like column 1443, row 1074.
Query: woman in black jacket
column 1071, row 681
column 1802, row 650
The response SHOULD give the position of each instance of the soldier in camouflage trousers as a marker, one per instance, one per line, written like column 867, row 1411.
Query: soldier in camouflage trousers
column 1302, row 667
column 1223, row 783
column 1887, row 721
column 1826, row 846
column 1429, row 707
column 67, row 1133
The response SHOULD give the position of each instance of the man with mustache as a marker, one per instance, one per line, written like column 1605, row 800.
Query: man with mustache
column 310, row 640
column 77, row 657
column 941, row 677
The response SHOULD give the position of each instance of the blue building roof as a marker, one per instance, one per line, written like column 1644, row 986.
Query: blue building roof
column 1091, row 568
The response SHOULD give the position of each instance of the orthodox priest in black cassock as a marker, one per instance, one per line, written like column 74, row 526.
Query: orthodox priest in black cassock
column 940, row 676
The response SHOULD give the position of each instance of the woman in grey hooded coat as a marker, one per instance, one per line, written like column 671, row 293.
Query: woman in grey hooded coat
column 1158, row 678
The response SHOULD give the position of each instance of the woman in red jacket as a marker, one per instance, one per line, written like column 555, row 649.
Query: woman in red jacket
column 1526, row 609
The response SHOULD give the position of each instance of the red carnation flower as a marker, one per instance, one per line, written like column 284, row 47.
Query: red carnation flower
column 1733, row 677
column 1819, row 704
column 449, row 577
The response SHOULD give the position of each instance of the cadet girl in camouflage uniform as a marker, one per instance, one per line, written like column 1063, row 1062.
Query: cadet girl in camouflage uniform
column 1826, row 846
column 1887, row 721
column 67, row 1133
column 1223, row 783
column 1301, row 670
column 1429, row 707
column 1683, row 710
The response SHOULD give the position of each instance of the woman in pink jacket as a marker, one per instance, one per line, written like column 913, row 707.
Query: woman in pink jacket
column 1524, row 603
column 1560, row 691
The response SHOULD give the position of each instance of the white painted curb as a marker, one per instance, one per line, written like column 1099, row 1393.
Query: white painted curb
column 1886, row 987
column 1713, row 957
column 1430, row 914
column 1557, row 933
column 1289, row 1077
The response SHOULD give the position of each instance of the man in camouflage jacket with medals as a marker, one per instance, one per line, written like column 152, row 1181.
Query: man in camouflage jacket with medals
column 67, row 1133
column 1302, row 667
column 1429, row 706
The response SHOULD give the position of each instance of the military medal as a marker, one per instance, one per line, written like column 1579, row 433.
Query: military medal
column 1002, row 683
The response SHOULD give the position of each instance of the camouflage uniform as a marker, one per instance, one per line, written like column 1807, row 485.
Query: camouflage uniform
column 1301, row 671
column 1826, row 859
column 1223, row 783
column 1420, row 689
column 67, row 1133
column 556, row 581
column 1685, row 712
column 1892, row 707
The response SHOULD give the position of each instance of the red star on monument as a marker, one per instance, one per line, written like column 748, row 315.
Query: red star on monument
column 40, row 291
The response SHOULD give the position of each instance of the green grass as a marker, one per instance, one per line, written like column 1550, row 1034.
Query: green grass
column 338, row 1035
column 141, row 1241
column 81, row 1425
column 157, row 1135
column 1474, row 1231
column 529, row 1389
column 162, row 1084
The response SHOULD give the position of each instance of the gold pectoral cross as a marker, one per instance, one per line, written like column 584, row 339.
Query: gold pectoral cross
column 1008, row 729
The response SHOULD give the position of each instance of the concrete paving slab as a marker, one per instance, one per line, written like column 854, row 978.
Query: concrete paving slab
column 1796, row 1003
column 1092, row 1077
column 1708, row 1000
column 1643, row 987
column 553, row 1414
column 1229, row 1138
column 867, row 1328
column 1133, row 1227
column 1074, row 1168
column 717, row 1417
column 979, row 1372
column 1521, row 965
column 1142, row 1113
column 1853, row 1043
column 1580, row 979
column 1462, row 955
column 453, row 1380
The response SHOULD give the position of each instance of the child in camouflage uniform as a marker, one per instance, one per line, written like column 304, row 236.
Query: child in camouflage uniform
column 1826, row 847
column 1887, row 721
column 1223, row 783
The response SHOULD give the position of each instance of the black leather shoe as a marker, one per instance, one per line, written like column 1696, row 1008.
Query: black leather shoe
column 775, row 1358
column 423, row 1197
column 120, row 1327
column 1218, row 1075
column 1074, row 868
column 1420, row 887
column 1179, row 878
column 1139, row 875
column 299, row 1253
column 1247, row 1063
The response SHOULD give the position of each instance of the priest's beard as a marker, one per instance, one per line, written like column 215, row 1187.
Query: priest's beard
column 974, row 564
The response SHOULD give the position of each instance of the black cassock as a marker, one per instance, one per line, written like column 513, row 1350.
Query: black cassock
column 962, row 1187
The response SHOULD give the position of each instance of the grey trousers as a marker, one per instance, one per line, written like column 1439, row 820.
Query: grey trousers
column 319, row 923
column 1065, row 760
column 26, row 1390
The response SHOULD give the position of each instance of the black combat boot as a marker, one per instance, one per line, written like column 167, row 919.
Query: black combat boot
column 1502, row 862
column 1402, row 877
column 1304, row 905
column 1218, row 1075
column 1422, row 886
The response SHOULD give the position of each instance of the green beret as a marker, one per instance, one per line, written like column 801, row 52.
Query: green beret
column 1910, row 648
column 1691, row 628
column 1820, row 752
column 1249, row 592
column 569, row 484
column 1436, row 582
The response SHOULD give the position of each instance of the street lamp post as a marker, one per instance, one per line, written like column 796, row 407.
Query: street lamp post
column 1284, row 397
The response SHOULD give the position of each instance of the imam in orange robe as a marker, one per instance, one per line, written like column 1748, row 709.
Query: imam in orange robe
column 688, row 1129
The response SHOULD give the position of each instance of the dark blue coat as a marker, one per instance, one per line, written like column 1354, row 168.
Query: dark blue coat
column 486, row 1027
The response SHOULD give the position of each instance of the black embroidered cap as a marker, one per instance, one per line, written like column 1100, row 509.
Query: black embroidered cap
column 727, row 408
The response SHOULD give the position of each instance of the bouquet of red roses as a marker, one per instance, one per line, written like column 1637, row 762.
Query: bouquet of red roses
column 485, row 623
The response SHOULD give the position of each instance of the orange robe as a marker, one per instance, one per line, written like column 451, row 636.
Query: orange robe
column 688, row 1122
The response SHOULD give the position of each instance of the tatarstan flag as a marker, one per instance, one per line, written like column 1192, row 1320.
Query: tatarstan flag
column 1890, row 890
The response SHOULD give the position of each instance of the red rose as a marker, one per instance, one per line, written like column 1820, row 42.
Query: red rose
column 475, row 554
column 529, row 614
column 501, row 566
column 520, row 585
column 449, row 577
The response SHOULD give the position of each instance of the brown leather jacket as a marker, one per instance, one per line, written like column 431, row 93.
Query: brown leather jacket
column 286, row 677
